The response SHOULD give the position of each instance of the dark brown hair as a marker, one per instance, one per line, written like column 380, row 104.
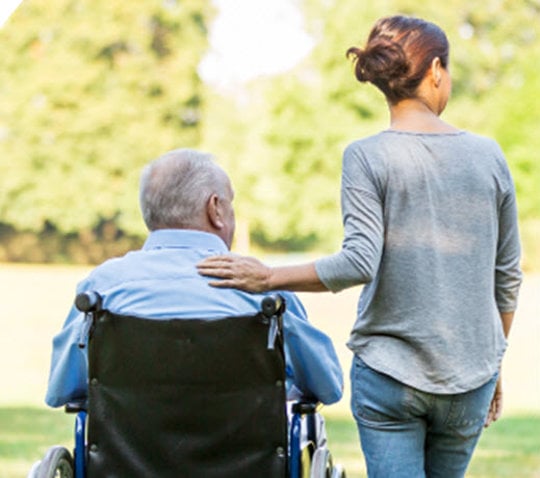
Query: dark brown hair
column 398, row 53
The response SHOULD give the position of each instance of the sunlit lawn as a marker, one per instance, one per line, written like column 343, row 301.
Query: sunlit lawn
column 510, row 448
column 35, row 300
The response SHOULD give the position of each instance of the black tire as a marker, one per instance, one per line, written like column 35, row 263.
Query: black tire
column 57, row 463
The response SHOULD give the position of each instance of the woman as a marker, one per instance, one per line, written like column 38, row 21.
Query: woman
column 430, row 224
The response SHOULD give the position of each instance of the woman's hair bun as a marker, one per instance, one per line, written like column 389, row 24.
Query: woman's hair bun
column 381, row 61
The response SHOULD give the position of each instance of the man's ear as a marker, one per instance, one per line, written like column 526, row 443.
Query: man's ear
column 213, row 212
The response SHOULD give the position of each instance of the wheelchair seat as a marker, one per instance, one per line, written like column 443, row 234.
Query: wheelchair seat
column 182, row 398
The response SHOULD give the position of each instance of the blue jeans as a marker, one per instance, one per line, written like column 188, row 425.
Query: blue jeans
column 407, row 433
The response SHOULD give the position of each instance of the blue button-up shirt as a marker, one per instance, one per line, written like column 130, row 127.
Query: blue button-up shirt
column 161, row 281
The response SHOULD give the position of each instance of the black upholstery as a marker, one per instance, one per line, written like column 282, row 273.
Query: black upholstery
column 185, row 398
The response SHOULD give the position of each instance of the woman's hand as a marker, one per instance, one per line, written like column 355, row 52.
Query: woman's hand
column 239, row 272
column 495, row 408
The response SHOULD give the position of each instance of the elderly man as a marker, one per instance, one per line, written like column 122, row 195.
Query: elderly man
column 186, row 202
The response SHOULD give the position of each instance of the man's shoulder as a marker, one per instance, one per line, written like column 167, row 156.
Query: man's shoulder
column 114, row 268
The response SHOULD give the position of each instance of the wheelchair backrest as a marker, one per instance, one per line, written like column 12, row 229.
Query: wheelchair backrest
column 185, row 398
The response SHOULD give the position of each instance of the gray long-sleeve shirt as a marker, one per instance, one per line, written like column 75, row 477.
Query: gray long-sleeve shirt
column 431, row 228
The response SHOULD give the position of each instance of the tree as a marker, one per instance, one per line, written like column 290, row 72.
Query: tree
column 91, row 90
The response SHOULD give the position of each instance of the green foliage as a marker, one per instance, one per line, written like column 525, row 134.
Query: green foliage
column 496, row 50
column 91, row 90
column 307, row 116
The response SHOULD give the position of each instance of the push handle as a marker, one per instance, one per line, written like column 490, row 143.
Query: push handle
column 273, row 305
column 89, row 301
column 272, row 308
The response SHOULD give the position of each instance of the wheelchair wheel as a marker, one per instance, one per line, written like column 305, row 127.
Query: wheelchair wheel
column 338, row 472
column 305, row 460
column 57, row 463
column 33, row 473
column 321, row 465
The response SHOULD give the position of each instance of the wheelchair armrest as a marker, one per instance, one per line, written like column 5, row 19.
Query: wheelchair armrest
column 76, row 406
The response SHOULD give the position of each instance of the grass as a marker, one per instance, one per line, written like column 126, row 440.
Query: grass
column 509, row 448
column 35, row 301
column 25, row 435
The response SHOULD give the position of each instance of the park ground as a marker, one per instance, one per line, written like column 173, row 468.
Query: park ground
column 34, row 300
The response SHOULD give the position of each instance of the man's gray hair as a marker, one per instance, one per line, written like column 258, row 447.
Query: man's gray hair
column 175, row 188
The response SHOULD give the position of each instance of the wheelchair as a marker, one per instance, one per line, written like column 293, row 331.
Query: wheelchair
column 188, row 398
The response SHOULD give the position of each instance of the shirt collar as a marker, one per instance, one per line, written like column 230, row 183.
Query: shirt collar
column 184, row 238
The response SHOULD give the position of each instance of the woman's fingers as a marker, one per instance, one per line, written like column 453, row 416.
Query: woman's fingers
column 216, row 266
column 496, row 406
column 239, row 272
column 225, row 284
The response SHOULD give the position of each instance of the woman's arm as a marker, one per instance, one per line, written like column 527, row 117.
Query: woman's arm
column 251, row 275
column 507, row 318
column 495, row 409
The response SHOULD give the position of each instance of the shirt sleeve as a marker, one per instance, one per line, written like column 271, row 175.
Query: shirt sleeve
column 68, row 377
column 313, row 367
column 508, row 275
column 363, row 223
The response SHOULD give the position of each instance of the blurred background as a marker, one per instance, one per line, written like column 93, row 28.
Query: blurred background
column 93, row 89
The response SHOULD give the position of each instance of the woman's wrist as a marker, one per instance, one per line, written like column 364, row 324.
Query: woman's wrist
column 270, row 279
